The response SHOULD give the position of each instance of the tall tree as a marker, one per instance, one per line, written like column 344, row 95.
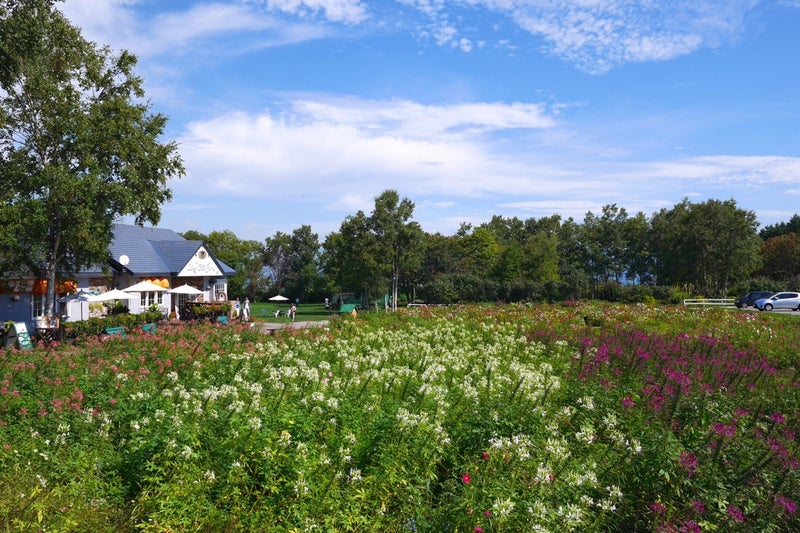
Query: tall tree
column 79, row 145
column 303, row 278
column 351, row 256
column 277, row 258
column 399, row 239
column 781, row 228
column 781, row 256
column 709, row 245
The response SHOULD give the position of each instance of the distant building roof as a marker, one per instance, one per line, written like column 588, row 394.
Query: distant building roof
column 155, row 251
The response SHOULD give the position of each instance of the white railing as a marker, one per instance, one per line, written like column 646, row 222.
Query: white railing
column 719, row 302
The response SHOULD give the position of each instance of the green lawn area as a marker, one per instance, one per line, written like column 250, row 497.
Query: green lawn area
column 265, row 312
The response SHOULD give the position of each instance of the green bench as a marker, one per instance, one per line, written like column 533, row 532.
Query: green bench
column 149, row 328
column 118, row 331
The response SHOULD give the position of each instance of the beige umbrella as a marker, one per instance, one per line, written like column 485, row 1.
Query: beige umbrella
column 185, row 289
column 145, row 286
column 115, row 294
column 278, row 298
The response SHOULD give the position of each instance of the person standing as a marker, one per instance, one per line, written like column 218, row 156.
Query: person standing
column 246, row 310
column 292, row 311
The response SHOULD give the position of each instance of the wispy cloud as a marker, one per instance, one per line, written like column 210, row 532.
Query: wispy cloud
column 597, row 35
column 244, row 26
column 306, row 148
column 313, row 144
column 347, row 11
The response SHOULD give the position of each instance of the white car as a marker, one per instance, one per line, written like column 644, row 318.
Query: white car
column 779, row 300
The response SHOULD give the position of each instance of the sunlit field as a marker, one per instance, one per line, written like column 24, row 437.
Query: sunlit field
column 574, row 417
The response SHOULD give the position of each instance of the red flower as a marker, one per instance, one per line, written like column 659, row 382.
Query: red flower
column 466, row 478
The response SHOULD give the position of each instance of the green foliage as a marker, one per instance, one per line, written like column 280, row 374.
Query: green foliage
column 97, row 326
column 79, row 146
column 495, row 418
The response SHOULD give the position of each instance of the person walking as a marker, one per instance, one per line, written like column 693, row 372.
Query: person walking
column 292, row 311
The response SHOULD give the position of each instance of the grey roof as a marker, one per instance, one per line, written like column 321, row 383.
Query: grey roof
column 155, row 251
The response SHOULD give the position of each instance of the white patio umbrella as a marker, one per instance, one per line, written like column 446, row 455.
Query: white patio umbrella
column 82, row 296
column 115, row 294
column 279, row 298
column 145, row 286
column 185, row 289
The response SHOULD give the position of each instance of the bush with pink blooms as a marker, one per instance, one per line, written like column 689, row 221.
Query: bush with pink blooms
column 577, row 417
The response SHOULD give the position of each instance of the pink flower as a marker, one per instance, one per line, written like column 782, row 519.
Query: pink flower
column 789, row 505
column 485, row 456
column 735, row 513
column 628, row 402
column 658, row 508
column 466, row 478
column 477, row 529
column 688, row 462
column 777, row 418
column 487, row 512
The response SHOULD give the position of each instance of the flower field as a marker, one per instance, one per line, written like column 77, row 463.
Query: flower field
column 575, row 417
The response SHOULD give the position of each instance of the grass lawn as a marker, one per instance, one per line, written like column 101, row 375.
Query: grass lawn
column 265, row 312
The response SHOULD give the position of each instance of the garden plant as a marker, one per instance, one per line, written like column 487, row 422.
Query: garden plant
column 570, row 417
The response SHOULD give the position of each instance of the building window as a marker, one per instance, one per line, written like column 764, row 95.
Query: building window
column 219, row 291
column 38, row 305
column 150, row 298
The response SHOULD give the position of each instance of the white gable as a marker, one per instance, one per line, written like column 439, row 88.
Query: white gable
column 201, row 264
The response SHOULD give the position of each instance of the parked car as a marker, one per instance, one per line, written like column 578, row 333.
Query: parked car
column 780, row 300
column 749, row 299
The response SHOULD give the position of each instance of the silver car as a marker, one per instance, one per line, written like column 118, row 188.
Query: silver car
column 779, row 300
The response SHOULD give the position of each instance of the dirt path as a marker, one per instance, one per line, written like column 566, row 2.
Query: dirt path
column 268, row 327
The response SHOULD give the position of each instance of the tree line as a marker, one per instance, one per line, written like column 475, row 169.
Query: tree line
column 712, row 248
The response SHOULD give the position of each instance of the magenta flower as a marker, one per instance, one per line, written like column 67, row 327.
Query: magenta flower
column 466, row 478
column 726, row 430
column 688, row 462
column 627, row 401
column 690, row 527
column 789, row 505
column 658, row 508
column 477, row 529
column 735, row 513
column 699, row 507
column 778, row 418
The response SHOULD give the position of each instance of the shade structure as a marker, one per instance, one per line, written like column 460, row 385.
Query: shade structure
column 279, row 298
column 115, row 294
column 185, row 289
column 80, row 296
column 145, row 286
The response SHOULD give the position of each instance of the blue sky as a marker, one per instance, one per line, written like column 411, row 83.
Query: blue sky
column 292, row 112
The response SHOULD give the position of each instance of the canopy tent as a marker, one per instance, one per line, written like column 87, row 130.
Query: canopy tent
column 115, row 294
column 279, row 298
column 145, row 286
column 185, row 289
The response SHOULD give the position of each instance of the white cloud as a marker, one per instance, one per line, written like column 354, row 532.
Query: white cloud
column 311, row 147
column 131, row 26
column 347, row 11
column 341, row 152
column 597, row 35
